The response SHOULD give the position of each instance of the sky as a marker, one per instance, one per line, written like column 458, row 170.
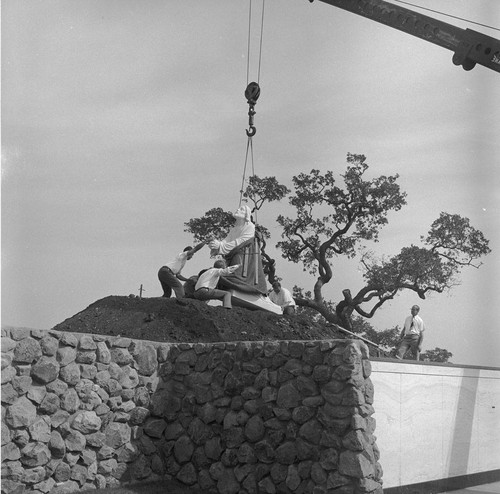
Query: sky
column 124, row 119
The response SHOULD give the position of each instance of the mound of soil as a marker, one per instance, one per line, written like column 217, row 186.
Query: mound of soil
column 164, row 320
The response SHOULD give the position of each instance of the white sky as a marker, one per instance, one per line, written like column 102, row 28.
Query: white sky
column 121, row 120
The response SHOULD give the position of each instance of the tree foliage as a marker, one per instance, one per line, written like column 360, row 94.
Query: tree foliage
column 215, row 223
column 346, row 215
column 420, row 269
column 451, row 244
column 333, row 220
column 436, row 355
column 262, row 190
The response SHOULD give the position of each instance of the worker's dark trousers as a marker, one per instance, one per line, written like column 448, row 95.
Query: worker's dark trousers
column 169, row 281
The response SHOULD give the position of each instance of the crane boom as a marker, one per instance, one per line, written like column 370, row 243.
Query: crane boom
column 469, row 46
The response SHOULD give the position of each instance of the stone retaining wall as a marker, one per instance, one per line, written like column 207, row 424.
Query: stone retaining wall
column 86, row 411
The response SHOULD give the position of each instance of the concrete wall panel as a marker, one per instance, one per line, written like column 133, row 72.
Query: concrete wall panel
column 435, row 421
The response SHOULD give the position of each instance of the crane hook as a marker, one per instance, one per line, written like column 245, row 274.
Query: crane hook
column 251, row 131
column 252, row 93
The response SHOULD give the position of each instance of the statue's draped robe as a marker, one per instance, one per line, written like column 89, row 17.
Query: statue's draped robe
column 242, row 247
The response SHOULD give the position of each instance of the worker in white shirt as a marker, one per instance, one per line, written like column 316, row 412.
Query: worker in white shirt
column 282, row 297
column 206, row 286
column 412, row 335
column 170, row 274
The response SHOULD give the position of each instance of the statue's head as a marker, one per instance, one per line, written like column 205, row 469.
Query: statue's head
column 243, row 212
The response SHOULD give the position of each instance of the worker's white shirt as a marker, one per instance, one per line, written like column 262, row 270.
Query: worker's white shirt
column 178, row 263
column 416, row 328
column 210, row 278
column 283, row 298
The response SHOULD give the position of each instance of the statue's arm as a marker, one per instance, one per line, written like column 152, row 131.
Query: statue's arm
column 225, row 246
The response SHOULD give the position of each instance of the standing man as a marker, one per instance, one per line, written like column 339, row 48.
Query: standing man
column 170, row 274
column 412, row 335
column 282, row 297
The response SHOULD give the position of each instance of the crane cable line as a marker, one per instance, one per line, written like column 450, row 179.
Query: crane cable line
column 260, row 42
column 249, row 148
column 447, row 15
column 252, row 93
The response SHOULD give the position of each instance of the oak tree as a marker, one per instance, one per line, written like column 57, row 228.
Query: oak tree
column 333, row 220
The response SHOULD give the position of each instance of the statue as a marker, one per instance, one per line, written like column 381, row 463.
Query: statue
column 242, row 247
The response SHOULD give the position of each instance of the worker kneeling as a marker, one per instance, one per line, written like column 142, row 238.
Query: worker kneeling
column 205, row 288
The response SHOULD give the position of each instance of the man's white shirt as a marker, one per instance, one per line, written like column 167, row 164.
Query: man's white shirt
column 416, row 328
column 283, row 298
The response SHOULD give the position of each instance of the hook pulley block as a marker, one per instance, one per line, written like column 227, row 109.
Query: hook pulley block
column 252, row 93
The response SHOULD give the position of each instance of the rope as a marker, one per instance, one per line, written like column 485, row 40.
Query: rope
column 253, row 175
column 249, row 145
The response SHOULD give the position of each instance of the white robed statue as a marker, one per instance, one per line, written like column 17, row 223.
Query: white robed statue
column 242, row 246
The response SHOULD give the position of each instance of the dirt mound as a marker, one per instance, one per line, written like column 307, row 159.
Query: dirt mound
column 164, row 320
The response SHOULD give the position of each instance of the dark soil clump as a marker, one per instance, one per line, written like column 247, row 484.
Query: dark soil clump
column 164, row 320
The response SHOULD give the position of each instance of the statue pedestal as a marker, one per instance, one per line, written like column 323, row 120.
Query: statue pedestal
column 254, row 301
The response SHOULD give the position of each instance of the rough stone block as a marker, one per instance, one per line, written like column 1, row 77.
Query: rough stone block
column 288, row 396
column 8, row 344
column 35, row 454
column 117, row 434
column 70, row 374
column 254, row 429
column 9, row 394
column 85, row 357
column 86, row 422
column 121, row 356
column 21, row 413
column 12, row 487
column 355, row 464
column 49, row 345
column 27, row 351
column 40, row 429
column 10, row 452
column 34, row 475
column 227, row 483
column 87, row 343
column 70, row 401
